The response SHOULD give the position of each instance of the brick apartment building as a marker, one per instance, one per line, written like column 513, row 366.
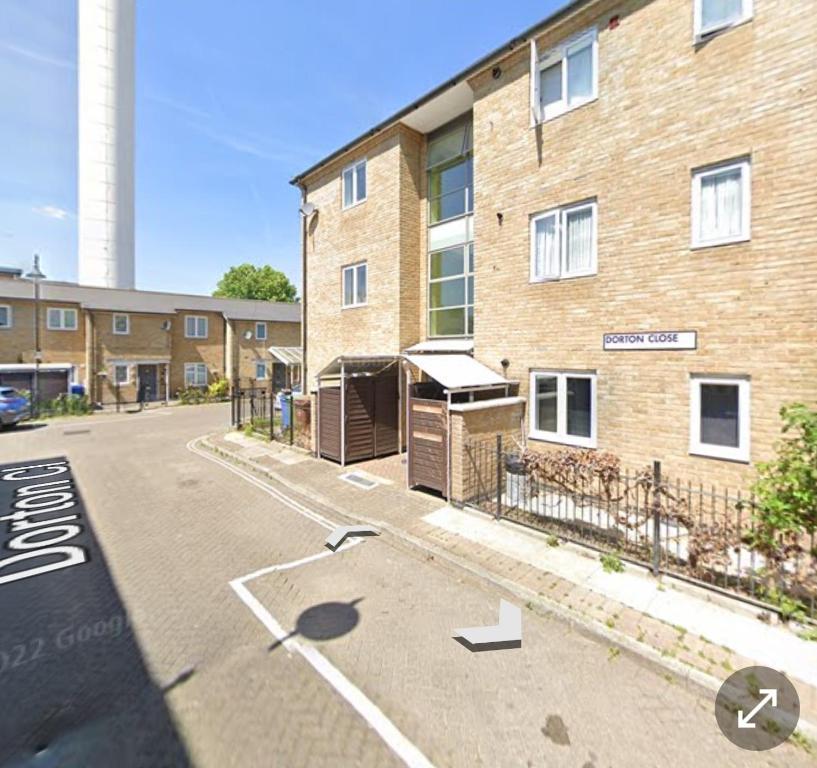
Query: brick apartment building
column 604, row 231
column 150, row 344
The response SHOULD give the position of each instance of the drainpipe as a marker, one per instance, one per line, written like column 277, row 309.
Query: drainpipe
column 304, row 375
column 448, row 446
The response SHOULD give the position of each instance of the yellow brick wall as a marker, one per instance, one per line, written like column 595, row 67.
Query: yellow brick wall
column 17, row 342
column 146, row 341
column 384, row 231
column 249, row 351
column 210, row 351
column 473, row 448
column 665, row 107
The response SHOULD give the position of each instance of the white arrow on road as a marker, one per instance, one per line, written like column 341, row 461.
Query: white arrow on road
column 507, row 632
column 337, row 537
column 745, row 721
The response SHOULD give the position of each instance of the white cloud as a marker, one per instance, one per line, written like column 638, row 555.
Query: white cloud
column 52, row 212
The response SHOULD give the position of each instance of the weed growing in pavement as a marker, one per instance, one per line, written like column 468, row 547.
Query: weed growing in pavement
column 809, row 634
column 613, row 653
column 553, row 541
column 611, row 622
column 611, row 562
column 803, row 742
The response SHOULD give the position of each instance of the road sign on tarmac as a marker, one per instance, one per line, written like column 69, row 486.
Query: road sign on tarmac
column 74, row 689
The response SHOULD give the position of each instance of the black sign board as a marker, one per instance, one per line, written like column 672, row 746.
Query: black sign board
column 74, row 690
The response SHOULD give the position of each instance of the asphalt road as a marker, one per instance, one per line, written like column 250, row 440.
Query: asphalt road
column 241, row 641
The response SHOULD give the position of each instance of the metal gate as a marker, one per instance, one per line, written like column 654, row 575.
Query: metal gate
column 428, row 444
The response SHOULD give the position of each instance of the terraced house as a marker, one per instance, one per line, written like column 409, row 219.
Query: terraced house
column 145, row 345
column 602, row 235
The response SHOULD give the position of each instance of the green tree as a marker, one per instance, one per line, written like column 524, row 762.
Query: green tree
column 246, row 281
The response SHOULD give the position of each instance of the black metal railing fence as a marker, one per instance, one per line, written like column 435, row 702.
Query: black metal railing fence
column 696, row 532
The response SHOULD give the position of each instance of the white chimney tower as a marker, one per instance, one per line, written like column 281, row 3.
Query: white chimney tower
column 106, row 112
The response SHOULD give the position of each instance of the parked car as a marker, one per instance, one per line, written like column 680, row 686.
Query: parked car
column 14, row 407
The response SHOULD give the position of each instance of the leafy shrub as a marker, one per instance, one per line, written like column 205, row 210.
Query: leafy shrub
column 192, row 395
column 66, row 405
column 786, row 511
column 218, row 389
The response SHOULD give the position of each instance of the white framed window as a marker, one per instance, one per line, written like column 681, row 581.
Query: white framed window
column 354, row 183
column 60, row 319
column 564, row 242
column 195, row 375
column 722, row 204
column 195, row 326
column 719, row 417
column 121, row 373
column 6, row 316
column 565, row 77
column 260, row 370
column 121, row 325
column 715, row 15
column 563, row 407
column 261, row 331
column 355, row 285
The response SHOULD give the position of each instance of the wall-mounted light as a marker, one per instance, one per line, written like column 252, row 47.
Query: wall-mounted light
column 504, row 362
column 614, row 22
column 496, row 73
column 165, row 325
column 500, row 217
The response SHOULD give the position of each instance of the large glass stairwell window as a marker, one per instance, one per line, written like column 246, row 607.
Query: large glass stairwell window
column 450, row 232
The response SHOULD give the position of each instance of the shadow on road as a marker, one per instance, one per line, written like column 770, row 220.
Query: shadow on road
column 74, row 687
column 325, row 621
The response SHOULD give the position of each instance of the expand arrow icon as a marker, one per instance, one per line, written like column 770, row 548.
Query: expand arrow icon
column 506, row 634
column 745, row 721
column 339, row 535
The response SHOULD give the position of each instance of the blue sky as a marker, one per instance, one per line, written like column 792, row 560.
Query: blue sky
column 232, row 99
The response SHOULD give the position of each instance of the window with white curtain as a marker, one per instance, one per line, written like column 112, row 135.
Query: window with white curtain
column 721, row 204
column 564, row 243
column 719, row 417
column 565, row 77
column 59, row 319
column 354, row 184
column 563, row 407
column 714, row 15
column 195, row 326
column 195, row 374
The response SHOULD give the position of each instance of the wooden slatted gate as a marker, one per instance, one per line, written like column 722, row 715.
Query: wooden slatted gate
column 428, row 444
column 371, row 418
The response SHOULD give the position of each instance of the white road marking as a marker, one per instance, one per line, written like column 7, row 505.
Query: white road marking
column 274, row 492
column 364, row 706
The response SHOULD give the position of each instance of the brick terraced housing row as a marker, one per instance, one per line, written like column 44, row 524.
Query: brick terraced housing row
column 621, row 170
column 151, row 344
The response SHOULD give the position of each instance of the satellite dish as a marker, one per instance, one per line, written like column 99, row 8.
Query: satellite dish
column 307, row 209
column 166, row 325
column 247, row 335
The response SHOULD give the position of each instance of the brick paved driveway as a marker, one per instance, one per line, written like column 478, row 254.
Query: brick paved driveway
column 177, row 528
